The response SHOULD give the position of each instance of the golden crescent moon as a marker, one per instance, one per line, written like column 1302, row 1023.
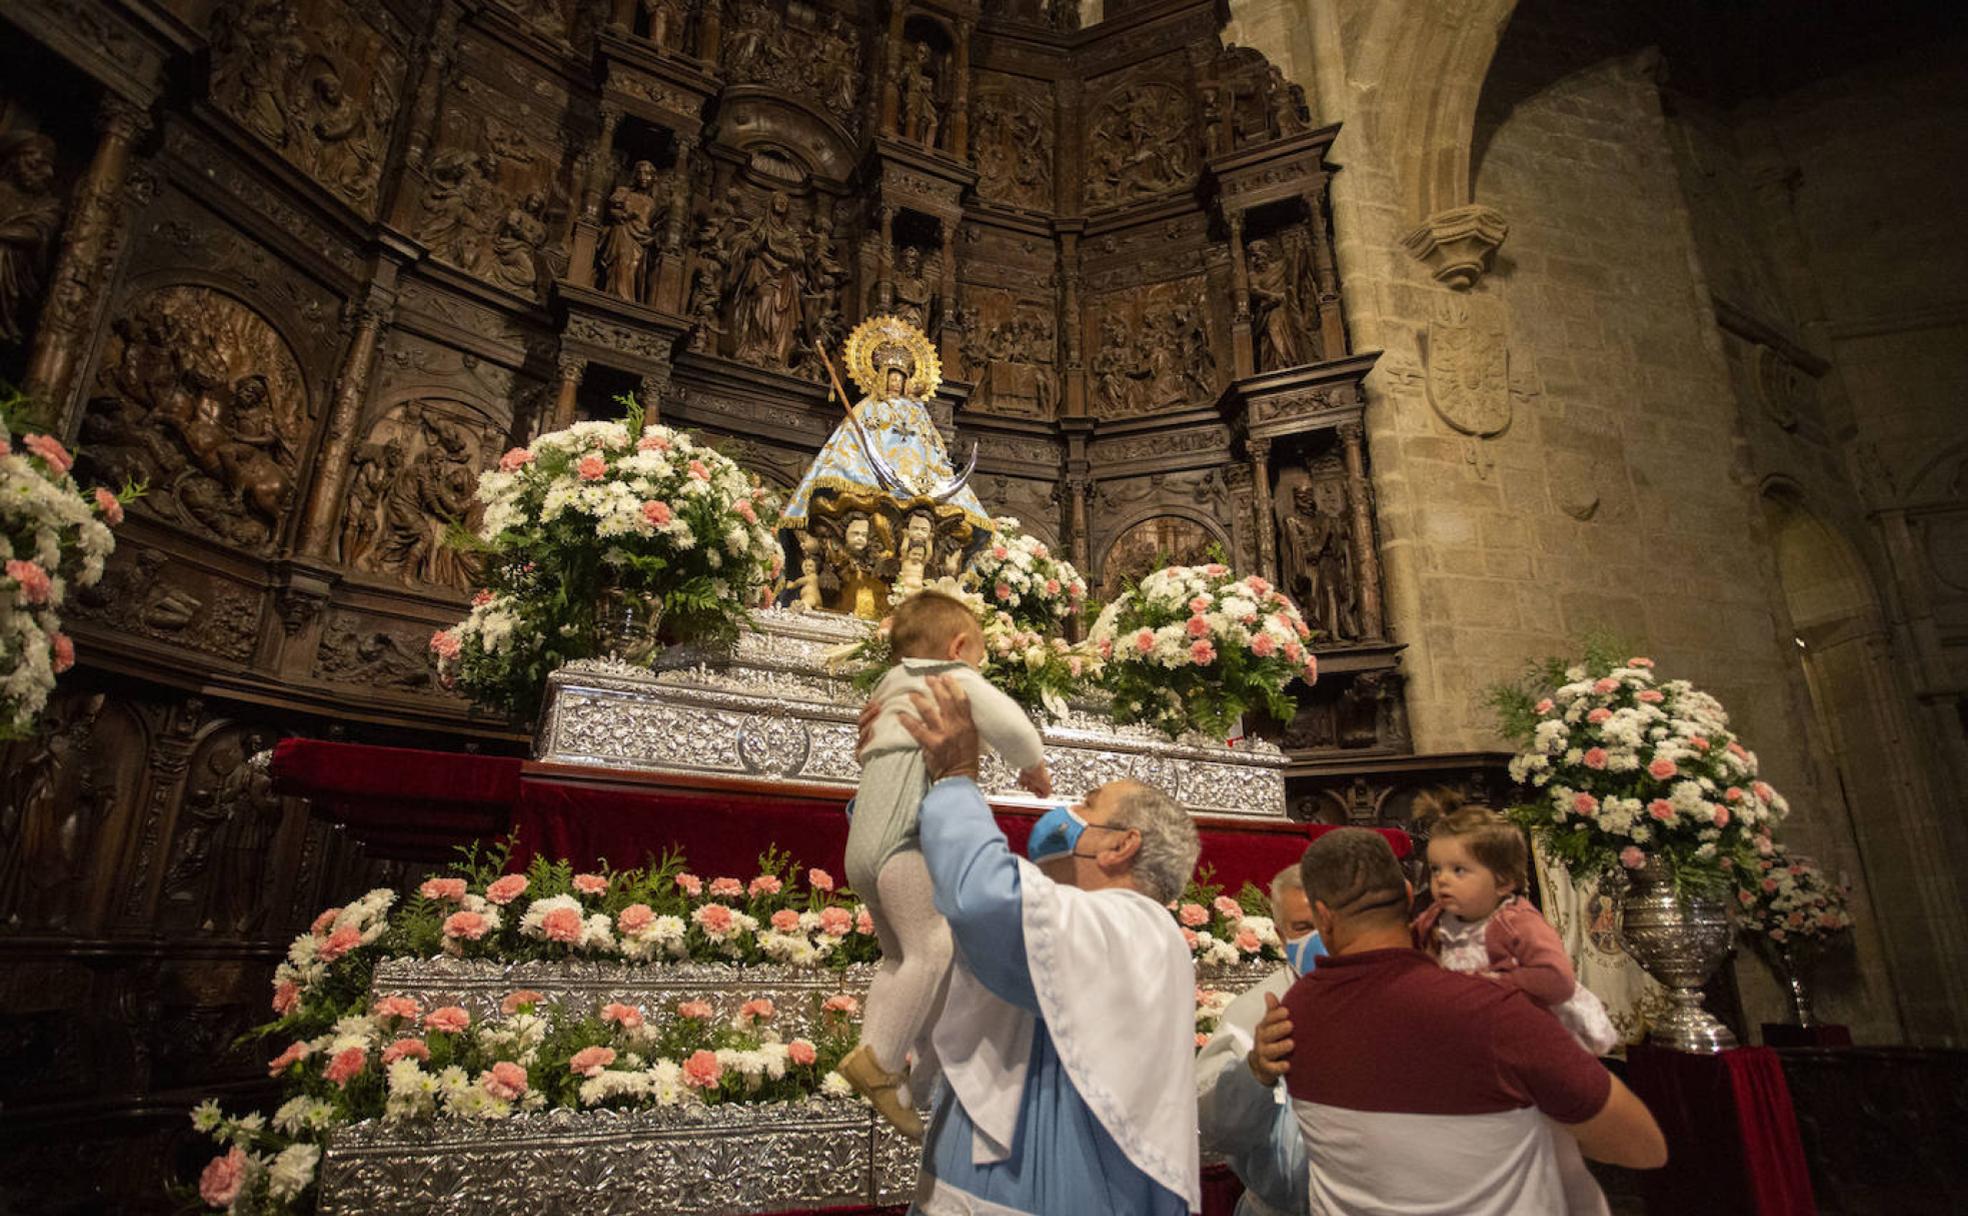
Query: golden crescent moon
column 887, row 330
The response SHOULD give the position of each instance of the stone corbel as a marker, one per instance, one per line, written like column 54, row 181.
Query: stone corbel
column 1456, row 244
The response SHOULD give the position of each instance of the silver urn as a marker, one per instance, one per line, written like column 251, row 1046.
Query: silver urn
column 1679, row 938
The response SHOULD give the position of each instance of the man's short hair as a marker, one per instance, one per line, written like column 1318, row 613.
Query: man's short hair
column 922, row 625
column 1169, row 845
column 1283, row 883
column 1353, row 871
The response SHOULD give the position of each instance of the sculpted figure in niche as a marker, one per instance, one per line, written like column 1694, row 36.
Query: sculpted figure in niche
column 377, row 466
column 765, row 303
column 344, row 159
column 836, row 71
column 1273, row 315
column 912, row 294
column 1282, row 97
column 669, row 23
column 30, row 216
column 513, row 259
column 919, row 116
column 433, row 487
column 45, row 810
column 246, row 456
column 630, row 230
column 1318, row 559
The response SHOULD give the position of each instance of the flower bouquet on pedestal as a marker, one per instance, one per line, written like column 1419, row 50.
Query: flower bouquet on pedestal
column 53, row 537
column 1642, row 777
column 1793, row 909
column 594, row 536
column 1195, row 647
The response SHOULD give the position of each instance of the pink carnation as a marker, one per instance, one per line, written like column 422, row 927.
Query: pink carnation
column 744, row 508
column 1003, row 591
column 864, row 921
column 1722, row 819
column 515, row 460
column 701, row 1070
column 628, row 1017
column 447, row 1019
column 592, row 467
column 1661, row 769
column 112, row 510
column 656, row 511
column 634, row 918
column 1632, row 858
column 652, row 443
column 1661, row 809
column 1197, row 626
column 340, row 942
column 1737, row 750
column 1637, row 661
column 842, row 1003
column 324, row 922
column 820, row 880
column 1189, row 938
column 505, row 1081
column 714, row 918
column 1193, row 915
column 690, row 884
column 767, row 884
column 1144, row 641
column 1311, row 673
column 35, row 586
column 1763, row 791
column 698, row 471
column 505, row 890
column 1248, row 941
column 416, row 1048
column 1599, row 715
column 1544, row 707
column 590, row 884
column 1293, row 653
column 1216, row 569
column 1605, row 684
column 64, row 651
column 446, row 644
column 346, row 1066
column 467, row 925
column 1698, row 743
column 1652, row 696
column 1200, row 604
column 561, row 925
column 1769, row 885
column 757, row 1009
column 1733, row 794
column 1227, row 907
column 1585, row 804
column 450, row 890
column 286, row 997
column 1201, row 653
column 726, row 888
column 1262, row 646
column 49, row 449
column 590, row 1061
column 396, row 1007
column 516, row 1001
column 801, row 1052
column 1000, row 552
column 1595, row 757
column 1052, row 586
column 295, row 1052
column 481, row 598
column 835, row 922
column 219, row 1183
column 785, row 920
column 698, row 1010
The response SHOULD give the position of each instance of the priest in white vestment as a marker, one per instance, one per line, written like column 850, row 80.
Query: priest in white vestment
column 1068, row 1036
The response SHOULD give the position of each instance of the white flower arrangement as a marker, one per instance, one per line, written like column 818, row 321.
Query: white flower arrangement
column 644, row 510
column 53, row 539
column 1018, row 575
column 1788, row 899
column 1627, row 768
column 1194, row 647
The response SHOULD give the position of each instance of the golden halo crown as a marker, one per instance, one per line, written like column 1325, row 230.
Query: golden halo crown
column 885, row 342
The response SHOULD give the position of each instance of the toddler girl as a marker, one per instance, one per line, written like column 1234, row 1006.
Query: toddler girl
column 1480, row 923
column 931, row 634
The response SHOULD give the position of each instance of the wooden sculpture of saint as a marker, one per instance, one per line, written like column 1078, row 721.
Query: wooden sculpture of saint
column 884, row 463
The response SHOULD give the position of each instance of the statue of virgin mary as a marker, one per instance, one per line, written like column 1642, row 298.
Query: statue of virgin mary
column 884, row 462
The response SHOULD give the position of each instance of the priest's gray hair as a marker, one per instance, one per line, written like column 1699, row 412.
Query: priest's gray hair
column 1284, row 883
column 1169, row 846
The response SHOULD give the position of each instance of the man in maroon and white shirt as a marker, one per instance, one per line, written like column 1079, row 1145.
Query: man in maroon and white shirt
column 1419, row 1090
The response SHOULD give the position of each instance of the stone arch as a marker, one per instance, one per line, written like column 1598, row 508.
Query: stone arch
column 1859, row 707
column 1427, row 60
column 1128, row 539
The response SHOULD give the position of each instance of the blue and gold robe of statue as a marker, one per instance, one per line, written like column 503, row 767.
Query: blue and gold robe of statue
column 903, row 433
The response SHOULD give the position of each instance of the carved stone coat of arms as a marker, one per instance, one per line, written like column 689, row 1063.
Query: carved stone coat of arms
column 1467, row 359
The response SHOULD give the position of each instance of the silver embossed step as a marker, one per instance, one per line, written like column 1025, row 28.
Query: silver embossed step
column 774, row 713
column 686, row 1159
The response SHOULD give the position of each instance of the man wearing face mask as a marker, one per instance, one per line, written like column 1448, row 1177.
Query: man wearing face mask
column 1245, row 1116
column 1067, row 1036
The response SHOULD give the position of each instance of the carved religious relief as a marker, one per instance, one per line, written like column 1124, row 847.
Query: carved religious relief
column 1152, row 350
column 415, row 474
column 550, row 19
column 817, row 59
column 30, row 221
column 1284, row 301
column 216, row 879
column 146, row 593
column 50, row 807
column 313, row 82
column 1139, row 144
column 625, row 261
column 200, row 399
column 1010, row 355
column 667, row 25
column 354, row 650
column 489, row 199
column 1147, row 546
column 1011, row 139
column 1315, row 554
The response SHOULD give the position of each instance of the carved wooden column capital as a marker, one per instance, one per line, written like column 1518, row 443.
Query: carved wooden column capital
column 567, row 392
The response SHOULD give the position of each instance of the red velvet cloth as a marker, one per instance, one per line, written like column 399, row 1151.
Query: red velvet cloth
column 1732, row 1143
column 403, row 802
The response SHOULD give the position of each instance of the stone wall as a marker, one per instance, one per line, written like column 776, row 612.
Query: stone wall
column 1637, row 464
